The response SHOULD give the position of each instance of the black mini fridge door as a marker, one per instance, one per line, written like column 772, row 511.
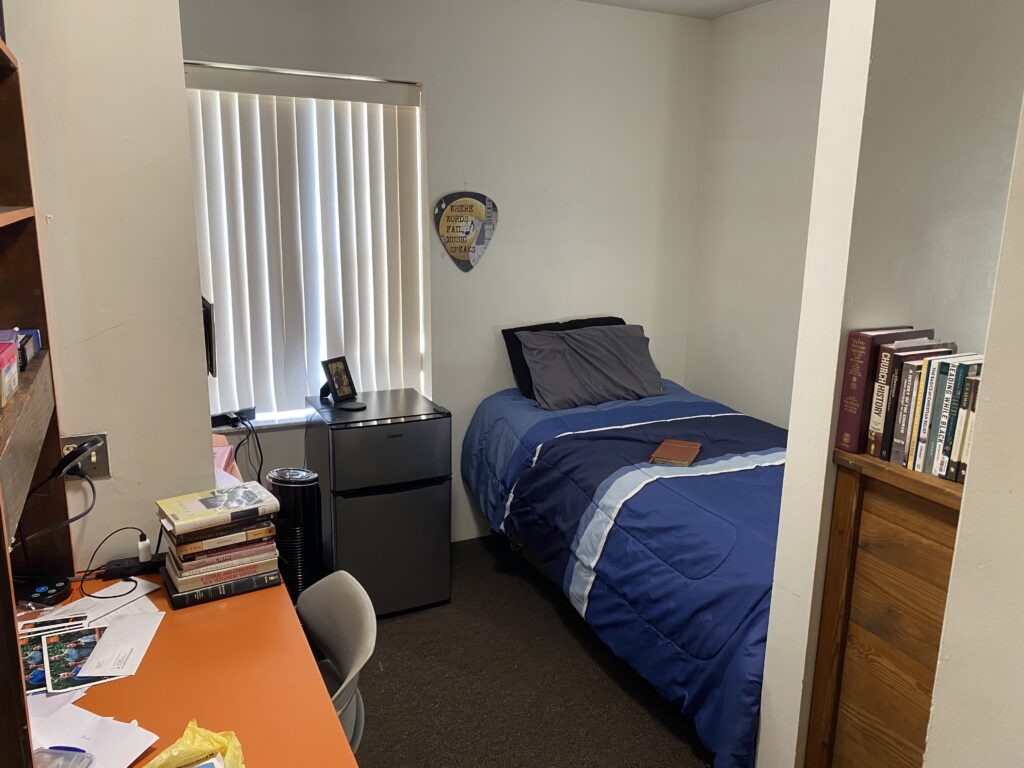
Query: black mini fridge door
column 397, row 544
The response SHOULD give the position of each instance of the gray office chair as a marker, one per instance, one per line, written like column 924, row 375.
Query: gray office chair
column 340, row 619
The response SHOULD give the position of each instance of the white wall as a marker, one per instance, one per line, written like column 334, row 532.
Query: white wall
column 939, row 131
column 978, row 701
column 105, row 109
column 807, row 487
column 761, row 119
column 581, row 121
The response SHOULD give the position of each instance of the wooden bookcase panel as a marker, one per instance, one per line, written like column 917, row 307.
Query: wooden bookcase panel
column 15, row 181
column 29, row 432
column 21, row 276
column 889, row 557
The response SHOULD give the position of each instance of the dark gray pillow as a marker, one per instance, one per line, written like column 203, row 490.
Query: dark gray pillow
column 590, row 365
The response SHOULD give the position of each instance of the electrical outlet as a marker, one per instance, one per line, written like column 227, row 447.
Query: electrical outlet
column 97, row 463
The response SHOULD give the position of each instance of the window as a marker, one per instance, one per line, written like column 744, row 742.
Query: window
column 309, row 211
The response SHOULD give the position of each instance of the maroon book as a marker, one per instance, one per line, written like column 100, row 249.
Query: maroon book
column 858, row 383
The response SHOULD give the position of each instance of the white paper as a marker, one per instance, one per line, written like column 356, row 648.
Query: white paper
column 46, row 704
column 96, row 608
column 142, row 605
column 112, row 744
column 124, row 643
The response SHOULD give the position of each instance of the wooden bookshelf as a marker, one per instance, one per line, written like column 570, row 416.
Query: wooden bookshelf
column 889, row 556
column 7, row 60
column 23, row 425
column 29, row 431
column 944, row 492
column 11, row 214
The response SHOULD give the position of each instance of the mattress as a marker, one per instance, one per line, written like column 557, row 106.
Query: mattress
column 670, row 566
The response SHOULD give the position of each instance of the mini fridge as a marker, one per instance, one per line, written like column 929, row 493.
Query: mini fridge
column 385, row 482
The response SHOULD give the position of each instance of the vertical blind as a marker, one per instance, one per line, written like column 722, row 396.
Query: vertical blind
column 309, row 220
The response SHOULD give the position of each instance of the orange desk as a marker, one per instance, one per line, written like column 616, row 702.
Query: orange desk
column 241, row 664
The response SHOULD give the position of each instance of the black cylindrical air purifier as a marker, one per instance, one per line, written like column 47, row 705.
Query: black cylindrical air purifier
column 298, row 491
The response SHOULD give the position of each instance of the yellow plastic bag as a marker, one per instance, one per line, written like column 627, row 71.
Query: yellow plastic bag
column 197, row 745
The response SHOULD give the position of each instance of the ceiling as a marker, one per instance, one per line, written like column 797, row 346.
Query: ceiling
column 702, row 9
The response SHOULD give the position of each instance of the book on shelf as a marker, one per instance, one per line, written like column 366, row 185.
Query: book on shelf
column 675, row 453
column 965, row 451
column 930, row 398
column 186, row 598
column 963, row 412
column 245, row 532
column 891, row 358
column 905, row 407
column 922, row 412
column 959, row 370
column 858, row 381
column 208, row 509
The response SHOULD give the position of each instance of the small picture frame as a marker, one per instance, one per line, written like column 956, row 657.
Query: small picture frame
column 339, row 379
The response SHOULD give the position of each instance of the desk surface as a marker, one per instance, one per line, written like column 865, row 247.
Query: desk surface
column 241, row 664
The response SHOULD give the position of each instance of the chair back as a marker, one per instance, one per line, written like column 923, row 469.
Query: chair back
column 341, row 620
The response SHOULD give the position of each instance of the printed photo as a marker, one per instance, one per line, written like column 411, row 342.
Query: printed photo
column 32, row 663
column 64, row 654
column 42, row 626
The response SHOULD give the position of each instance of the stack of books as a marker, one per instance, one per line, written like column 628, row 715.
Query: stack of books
column 221, row 543
column 910, row 400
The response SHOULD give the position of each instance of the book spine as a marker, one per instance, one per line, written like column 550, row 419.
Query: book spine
column 264, row 542
column 197, row 549
column 915, row 424
column 961, row 427
column 904, row 411
column 223, row 518
column 196, row 567
column 219, row 592
column 221, row 531
column 938, row 399
column 891, row 404
column 853, row 399
column 927, row 398
column 944, row 409
column 225, row 574
column 965, row 456
column 879, row 401
column 944, row 451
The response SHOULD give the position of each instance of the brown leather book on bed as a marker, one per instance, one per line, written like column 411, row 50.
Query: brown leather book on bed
column 676, row 453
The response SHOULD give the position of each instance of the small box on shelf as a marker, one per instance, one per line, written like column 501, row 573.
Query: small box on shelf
column 8, row 371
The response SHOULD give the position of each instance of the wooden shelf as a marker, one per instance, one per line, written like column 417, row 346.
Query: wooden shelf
column 944, row 492
column 7, row 59
column 9, row 214
column 23, row 427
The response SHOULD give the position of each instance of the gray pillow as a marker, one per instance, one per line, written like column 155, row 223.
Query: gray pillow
column 590, row 365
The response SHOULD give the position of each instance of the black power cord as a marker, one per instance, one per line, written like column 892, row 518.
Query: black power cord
column 89, row 570
column 23, row 539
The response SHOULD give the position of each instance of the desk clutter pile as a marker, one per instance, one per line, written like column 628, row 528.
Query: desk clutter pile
column 66, row 650
column 220, row 543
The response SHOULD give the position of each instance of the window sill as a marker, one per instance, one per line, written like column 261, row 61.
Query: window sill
column 270, row 424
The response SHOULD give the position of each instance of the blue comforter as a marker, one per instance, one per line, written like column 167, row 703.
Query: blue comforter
column 671, row 566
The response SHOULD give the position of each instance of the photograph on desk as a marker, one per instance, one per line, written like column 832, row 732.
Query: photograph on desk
column 64, row 655
column 32, row 666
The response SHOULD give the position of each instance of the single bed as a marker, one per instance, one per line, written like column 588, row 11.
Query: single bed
column 671, row 566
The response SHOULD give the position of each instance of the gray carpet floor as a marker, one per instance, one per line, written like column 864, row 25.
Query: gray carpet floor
column 507, row 675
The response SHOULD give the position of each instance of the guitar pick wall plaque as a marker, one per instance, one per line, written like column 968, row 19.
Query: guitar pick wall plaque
column 465, row 222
